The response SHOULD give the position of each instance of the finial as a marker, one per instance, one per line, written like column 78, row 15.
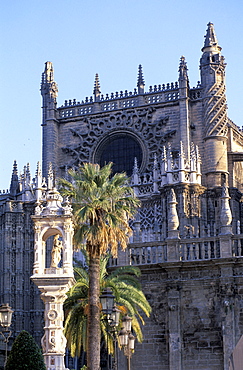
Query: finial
column 225, row 214
column 172, row 196
column 155, row 166
column 173, row 220
column 50, row 177
column 183, row 69
column 48, row 72
column 135, row 173
column 163, row 154
column 225, row 192
column 14, row 185
column 49, row 87
column 15, row 168
column 28, row 175
column 181, row 151
column 96, row 91
column 135, row 166
column 38, row 169
column 155, row 174
column 141, row 83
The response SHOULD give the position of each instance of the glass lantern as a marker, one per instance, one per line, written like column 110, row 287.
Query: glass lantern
column 5, row 315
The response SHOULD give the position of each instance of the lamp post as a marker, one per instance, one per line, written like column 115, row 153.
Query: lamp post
column 5, row 322
column 112, row 314
column 126, row 339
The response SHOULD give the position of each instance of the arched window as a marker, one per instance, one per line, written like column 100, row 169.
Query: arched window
column 121, row 149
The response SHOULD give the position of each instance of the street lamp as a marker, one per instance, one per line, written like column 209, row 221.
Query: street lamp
column 107, row 301
column 5, row 322
column 112, row 314
column 126, row 339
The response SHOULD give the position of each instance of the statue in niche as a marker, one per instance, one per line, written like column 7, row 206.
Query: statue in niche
column 56, row 251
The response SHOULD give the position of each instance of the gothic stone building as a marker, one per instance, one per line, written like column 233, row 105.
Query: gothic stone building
column 184, row 156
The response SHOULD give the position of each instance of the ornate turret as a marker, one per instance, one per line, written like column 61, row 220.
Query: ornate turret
column 49, row 91
column 141, row 83
column 211, row 50
column 212, row 68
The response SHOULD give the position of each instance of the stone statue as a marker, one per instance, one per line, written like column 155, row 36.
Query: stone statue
column 56, row 251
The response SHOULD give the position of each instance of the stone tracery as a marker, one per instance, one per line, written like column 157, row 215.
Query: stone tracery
column 138, row 122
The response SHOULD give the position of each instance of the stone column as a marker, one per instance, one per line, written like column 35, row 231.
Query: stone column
column 54, row 342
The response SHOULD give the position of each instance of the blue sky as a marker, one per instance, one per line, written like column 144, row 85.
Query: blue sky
column 108, row 37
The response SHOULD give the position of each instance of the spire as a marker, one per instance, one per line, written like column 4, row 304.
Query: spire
column 96, row 91
column 211, row 41
column 211, row 49
column 14, row 186
column 141, row 83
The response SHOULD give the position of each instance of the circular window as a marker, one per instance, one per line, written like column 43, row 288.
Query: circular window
column 121, row 149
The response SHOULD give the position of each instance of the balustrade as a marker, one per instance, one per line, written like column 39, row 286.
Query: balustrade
column 192, row 249
column 124, row 99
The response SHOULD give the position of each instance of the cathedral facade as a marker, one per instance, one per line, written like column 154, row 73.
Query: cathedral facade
column 184, row 158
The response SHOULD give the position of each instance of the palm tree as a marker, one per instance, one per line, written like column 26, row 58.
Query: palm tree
column 124, row 284
column 102, row 207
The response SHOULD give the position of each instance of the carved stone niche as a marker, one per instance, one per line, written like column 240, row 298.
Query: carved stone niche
column 53, row 255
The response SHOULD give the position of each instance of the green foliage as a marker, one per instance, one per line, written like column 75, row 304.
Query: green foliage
column 103, row 205
column 25, row 354
column 124, row 283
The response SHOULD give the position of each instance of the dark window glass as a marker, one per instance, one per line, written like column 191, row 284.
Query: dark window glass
column 121, row 150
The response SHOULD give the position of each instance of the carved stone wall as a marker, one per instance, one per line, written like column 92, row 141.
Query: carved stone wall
column 197, row 313
column 16, row 261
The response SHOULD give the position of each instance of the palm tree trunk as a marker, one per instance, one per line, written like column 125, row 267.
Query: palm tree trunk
column 93, row 345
